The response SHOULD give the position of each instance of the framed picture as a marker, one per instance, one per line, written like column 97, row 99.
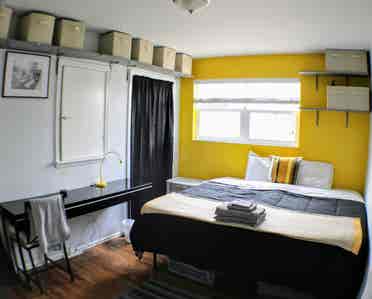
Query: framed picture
column 26, row 75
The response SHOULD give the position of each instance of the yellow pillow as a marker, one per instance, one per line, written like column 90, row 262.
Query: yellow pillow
column 283, row 169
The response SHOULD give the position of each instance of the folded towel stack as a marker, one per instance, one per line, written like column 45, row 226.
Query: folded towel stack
column 243, row 212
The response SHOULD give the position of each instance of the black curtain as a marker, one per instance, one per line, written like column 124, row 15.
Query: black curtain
column 151, row 136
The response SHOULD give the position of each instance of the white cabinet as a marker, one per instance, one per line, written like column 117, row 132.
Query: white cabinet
column 81, row 110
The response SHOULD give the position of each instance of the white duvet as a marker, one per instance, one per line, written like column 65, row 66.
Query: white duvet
column 344, row 232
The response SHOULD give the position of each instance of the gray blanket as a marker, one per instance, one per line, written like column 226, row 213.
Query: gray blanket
column 277, row 198
column 49, row 222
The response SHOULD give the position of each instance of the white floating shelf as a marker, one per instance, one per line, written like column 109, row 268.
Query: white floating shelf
column 12, row 44
column 330, row 109
column 317, row 111
column 332, row 73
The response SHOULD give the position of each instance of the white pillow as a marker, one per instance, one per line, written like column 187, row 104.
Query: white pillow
column 258, row 168
column 314, row 174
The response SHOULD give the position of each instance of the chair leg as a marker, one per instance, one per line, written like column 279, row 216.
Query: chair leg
column 39, row 282
column 20, row 251
column 14, row 254
column 46, row 268
column 8, row 242
column 155, row 262
column 69, row 270
column 139, row 255
column 31, row 259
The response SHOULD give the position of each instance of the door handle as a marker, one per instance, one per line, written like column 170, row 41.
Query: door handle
column 64, row 117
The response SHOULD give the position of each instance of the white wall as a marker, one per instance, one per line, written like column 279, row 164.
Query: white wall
column 366, row 290
column 27, row 155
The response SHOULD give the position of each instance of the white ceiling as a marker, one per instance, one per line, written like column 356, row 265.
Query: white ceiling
column 227, row 27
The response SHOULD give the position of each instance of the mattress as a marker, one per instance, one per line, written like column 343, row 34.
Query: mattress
column 304, row 264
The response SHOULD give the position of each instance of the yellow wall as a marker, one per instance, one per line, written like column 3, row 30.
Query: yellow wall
column 346, row 148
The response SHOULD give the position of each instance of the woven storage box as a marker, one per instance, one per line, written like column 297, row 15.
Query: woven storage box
column 346, row 61
column 165, row 57
column 142, row 50
column 116, row 44
column 348, row 98
column 37, row 27
column 5, row 18
column 184, row 63
column 70, row 33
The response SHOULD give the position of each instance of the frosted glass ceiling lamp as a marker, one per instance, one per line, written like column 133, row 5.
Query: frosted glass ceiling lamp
column 191, row 5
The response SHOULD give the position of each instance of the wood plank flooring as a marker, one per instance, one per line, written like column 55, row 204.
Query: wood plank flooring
column 105, row 271
column 109, row 270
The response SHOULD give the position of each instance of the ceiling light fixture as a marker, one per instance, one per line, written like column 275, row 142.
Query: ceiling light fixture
column 191, row 5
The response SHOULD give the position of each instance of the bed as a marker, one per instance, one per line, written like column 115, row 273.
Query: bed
column 313, row 239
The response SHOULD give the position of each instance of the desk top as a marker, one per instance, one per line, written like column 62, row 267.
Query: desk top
column 81, row 196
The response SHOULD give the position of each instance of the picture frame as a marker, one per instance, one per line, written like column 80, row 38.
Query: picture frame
column 26, row 75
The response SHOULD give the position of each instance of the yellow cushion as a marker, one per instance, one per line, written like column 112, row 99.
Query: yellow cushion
column 283, row 169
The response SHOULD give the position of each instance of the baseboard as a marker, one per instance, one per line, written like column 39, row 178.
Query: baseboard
column 73, row 252
column 79, row 250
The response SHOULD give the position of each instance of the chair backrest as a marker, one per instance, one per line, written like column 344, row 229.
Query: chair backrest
column 28, row 215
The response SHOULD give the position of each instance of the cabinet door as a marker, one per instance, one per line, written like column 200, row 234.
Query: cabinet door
column 83, row 89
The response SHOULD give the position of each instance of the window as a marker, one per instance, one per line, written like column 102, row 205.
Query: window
column 255, row 111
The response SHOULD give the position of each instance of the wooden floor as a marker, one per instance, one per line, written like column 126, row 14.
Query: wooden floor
column 109, row 270
column 103, row 272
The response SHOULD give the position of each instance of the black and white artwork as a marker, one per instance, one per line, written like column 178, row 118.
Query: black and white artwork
column 26, row 75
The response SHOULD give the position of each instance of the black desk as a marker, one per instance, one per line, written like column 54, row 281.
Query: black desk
column 86, row 200
column 78, row 202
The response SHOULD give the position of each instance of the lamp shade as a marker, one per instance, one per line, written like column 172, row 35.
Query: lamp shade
column 191, row 5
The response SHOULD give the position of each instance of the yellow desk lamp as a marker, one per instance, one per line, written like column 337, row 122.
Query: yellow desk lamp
column 102, row 183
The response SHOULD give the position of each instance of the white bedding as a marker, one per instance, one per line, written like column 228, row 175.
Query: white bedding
column 344, row 232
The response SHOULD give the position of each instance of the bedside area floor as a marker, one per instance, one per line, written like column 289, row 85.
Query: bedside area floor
column 111, row 270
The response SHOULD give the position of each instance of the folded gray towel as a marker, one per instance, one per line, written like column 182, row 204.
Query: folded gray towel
column 223, row 210
column 239, row 220
column 244, row 206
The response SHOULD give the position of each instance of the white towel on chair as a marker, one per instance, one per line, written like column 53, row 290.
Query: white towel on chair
column 49, row 221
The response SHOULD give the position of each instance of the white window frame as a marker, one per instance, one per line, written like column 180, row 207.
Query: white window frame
column 244, row 139
column 83, row 63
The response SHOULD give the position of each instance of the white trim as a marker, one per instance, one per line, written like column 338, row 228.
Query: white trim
column 132, row 71
column 251, row 80
column 80, row 162
column 81, row 249
column 246, row 101
column 141, row 72
column 249, row 142
column 177, row 111
column 79, row 63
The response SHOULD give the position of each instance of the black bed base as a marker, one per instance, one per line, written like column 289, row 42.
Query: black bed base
column 322, row 270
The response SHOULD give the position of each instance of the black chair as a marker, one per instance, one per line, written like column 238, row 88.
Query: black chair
column 22, row 238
